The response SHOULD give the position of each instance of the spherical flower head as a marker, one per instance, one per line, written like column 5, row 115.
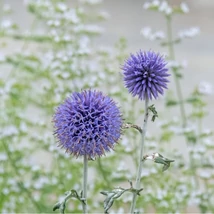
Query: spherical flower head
column 145, row 75
column 87, row 123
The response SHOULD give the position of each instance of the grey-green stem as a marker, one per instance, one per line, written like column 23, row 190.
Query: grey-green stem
column 177, row 83
column 85, row 179
column 140, row 166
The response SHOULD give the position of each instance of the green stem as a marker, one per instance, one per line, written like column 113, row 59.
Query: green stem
column 85, row 178
column 177, row 83
column 140, row 166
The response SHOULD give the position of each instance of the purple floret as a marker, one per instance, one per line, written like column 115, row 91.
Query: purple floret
column 145, row 75
column 87, row 123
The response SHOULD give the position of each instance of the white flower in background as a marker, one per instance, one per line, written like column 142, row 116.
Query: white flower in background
column 8, row 131
column 173, row 64
column 148, row 34
column 6, row 8
column 61, row 6
column 5, row 24
column 148, row 5
column 208, row 142
column 2, row 57
column 184, row 7
column 155, row 3
column 104, row 14
column 71, row 15
column 189, row 33
column 205, row 88
column 176, row 65
column 165, row 8
column 205, row 174
column 3, row 157
column 35, row 168
column 92, row 2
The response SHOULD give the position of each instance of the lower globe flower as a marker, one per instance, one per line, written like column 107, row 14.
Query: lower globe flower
column 87, row 123
column 145, row 75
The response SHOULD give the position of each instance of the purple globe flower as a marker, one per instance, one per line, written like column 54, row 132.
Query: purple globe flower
column 87, row 123
column 145, row 74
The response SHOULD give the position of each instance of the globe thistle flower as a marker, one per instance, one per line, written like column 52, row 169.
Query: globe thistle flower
column 145, row 75
column 87, row 123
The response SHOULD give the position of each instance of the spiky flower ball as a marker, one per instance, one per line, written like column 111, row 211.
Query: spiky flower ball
column 145, row 74
column 87, row 123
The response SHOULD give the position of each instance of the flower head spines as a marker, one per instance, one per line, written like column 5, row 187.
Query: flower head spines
column 87, row 123
column 145, row 74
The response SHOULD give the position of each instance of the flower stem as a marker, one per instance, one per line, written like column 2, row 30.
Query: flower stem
column 177, row 83
column 85, row 178
column 140, row 166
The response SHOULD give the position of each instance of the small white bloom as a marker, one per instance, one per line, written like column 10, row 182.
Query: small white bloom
column 159, row 35
column 207, row 131
column 3, row 157
column 156, row 3
column 146, row 5
column 5, row 191
column 9, row 131
column 6, row 8
column 71, row 15
column 5, row 24
column 35, row 168
column 91, row 2
column 61, row 6
column 54, row 180
column 2, row 171
column 122, row 166
column 50, row 22
column 145, row 173
column 164, row 203
column 65, row 75
column 23, row 127
column 205, row 88
column 165, row 8
column 2, row 57
column 67, row 38
column 146, row 32
column 208, row 142
column 173, row 64
column 21, row 199
column 184, row 7
column 57, row 39
column 56, row 23
column 189, row 33
column 205, row 174
column 168, row 11
column 184, row 63
column 69, row 176
column 104, row 15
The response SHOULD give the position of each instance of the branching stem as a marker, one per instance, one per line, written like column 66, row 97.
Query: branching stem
column 140, row 166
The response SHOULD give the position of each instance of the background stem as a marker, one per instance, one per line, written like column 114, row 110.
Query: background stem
column 140, row 166
column 85, row 179
column 176, row 80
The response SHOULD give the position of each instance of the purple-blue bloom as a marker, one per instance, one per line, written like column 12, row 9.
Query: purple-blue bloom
column 145, row 74
column 87, row 123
